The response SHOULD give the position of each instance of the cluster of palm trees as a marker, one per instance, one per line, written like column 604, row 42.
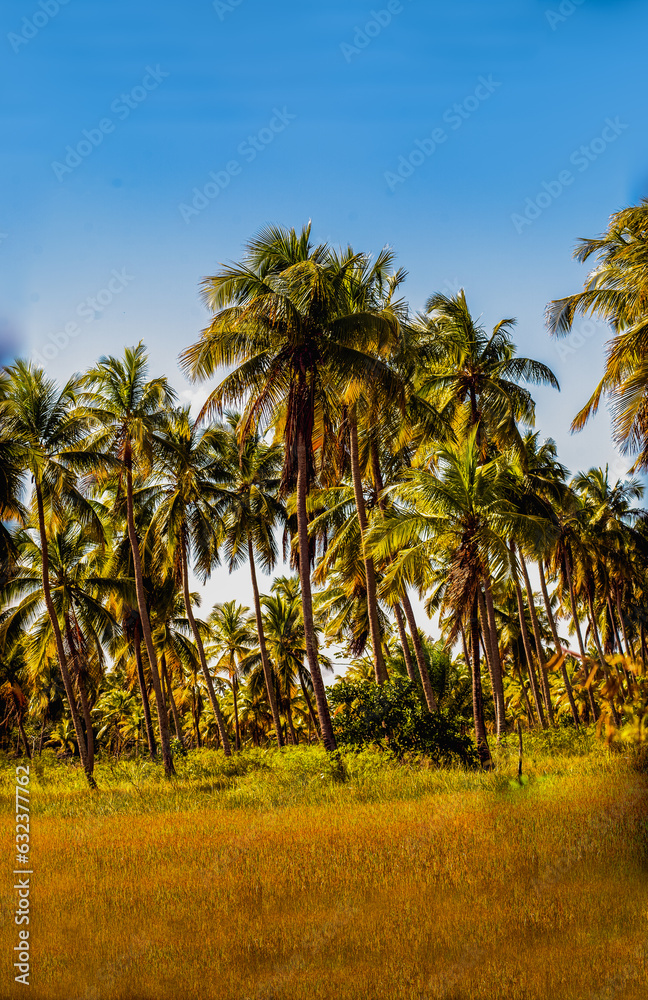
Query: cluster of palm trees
column 388, row 453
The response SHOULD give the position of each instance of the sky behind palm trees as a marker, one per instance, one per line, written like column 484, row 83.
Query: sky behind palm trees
column 144, row 143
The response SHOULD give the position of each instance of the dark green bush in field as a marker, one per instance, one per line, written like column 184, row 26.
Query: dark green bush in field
column 391, row 716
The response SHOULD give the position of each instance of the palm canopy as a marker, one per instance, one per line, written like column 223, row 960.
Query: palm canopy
column 616, row 291
column 477, row 372
column 285, row 319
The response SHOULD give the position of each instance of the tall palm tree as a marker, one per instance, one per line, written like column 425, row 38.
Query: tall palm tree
column 130, row 410
column 616, row 291
column 187, row 518
column 281, row 318
column 233, row 640
column 51, row 431
column 250, row 512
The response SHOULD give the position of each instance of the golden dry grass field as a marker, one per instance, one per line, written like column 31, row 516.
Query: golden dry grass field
column 268, row 879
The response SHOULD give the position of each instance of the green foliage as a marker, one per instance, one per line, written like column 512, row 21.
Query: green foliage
column 392, row 716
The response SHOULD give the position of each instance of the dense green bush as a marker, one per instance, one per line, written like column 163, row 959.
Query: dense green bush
column 392, row 717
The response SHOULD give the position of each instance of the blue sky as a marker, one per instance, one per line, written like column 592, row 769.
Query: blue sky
column 295, row 111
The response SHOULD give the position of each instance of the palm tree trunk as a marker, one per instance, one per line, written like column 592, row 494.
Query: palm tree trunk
column 237, row 728
column 527, row 703
column 526, row 643
column 265, row 661
column 326, row 727
column 478, row 698
column 628, row 645
column 218, row 715
column 174, row 708
column 542, row 661
column 83, row 697
column 486, row 647
column 163, row 722
column 309, row 704
column 380, row 669
column 579, row 634
column 491, row 631
column 141, row 680
column 291, row 724
column 430, row 697
column 558, row 644
column 407, row 652
column 602, row 660
column 58, row 638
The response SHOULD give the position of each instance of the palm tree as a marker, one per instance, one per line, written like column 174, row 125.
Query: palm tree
column 130, row 411
column 187, row 519
column 233, row 640
column 615, row 292
column 250, row 511
column 51, row 432
column 476, row 374
column 282, row 319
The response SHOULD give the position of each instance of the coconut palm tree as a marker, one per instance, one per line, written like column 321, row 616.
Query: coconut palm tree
column 51, row 432
column 616, row 291
column 187, row 518
column 232, row 636
column 282, row 319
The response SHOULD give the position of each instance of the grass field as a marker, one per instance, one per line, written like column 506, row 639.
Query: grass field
column 267, row 877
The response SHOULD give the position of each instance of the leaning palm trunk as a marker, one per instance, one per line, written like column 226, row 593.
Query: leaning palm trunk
column 83, row 697
column 498, row 683
column 380, row 669
column 601, row 655
column 527, row 646
column 309, row 704
column 481, row 738
column 141, row 680
column 163, row 722
column 579, row 634
column 265, row 661
column 407, row 653
column 326, row 727
column 174, row 708
column 58, row 638
column 218, row 715
column 558, row 644
column 542, row 662
column 488, row 652
column 430, row 697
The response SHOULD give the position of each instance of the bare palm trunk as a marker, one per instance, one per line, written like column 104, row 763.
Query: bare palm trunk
column 579, row 634
column 309, row 705
column 558, row 644
column 141, row 680
column 83, row 697
column 407, row 653
column 527, row 703
column 163, row 722
column 237, row 728
column 380, row 669
column 628, row 645
column 498, row 682
column 542, row 661
column 526, row 643
column 291, row 724
column 220, row 722
column 174, row 708
column 481, row 738
column 58, row 638
column 326, row 728
column 602, row 660
column 430, row 697
column 265, row 661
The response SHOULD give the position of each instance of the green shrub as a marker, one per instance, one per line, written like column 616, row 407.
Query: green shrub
column 392, row 717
